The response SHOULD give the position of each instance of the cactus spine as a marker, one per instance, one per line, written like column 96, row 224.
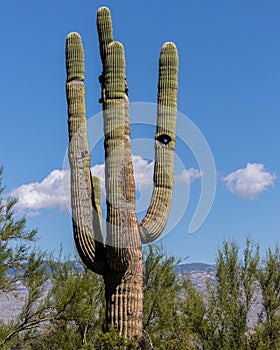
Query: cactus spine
column 119, row 260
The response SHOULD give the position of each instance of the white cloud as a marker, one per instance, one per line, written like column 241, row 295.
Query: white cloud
column 39, row 195
column 189, row 175
column 250, row 181
column 53, row 191
column 143, row 173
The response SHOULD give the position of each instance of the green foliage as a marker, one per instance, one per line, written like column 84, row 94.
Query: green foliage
column 159, row 282
column 14, row 240
column 230, row 298
column 34, row 313
column 16, row 255
column 64, row 308
column 76, row 303
column 112, row 341
column 268, row 329
column 191, row 325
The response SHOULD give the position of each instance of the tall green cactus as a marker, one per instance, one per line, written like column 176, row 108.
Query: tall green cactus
column 119, row 260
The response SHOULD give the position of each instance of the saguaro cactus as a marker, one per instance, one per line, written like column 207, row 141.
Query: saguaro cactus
column 119, row 259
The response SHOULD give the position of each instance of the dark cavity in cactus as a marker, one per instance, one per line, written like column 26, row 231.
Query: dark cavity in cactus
column 119, row 259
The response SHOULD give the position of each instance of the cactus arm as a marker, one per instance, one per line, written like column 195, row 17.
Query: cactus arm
column 157, row 214
column 105, row 37
column 120, row 226
column 86, row 224
column 97, row 200
column 105, row 31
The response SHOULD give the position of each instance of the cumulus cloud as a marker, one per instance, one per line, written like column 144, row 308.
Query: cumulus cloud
column 143, row 173
column 250, row 181
column 33, row 197
column 53, row 191
column 189, row 175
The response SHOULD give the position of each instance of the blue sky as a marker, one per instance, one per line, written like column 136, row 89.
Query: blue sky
column 229, row 83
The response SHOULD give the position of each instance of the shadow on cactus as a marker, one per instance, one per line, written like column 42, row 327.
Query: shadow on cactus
column 119, row 259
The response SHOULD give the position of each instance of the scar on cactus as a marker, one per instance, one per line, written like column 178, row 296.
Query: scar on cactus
column 119, row 258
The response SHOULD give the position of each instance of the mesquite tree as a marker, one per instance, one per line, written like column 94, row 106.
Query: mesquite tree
column 119, row 259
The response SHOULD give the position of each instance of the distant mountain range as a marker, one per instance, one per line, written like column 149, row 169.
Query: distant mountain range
column 191, row 267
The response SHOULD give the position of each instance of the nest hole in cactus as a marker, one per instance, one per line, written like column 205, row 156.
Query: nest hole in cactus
column 165, row 139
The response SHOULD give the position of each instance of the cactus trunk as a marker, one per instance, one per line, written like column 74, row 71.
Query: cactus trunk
column 124, row 298
column 119, row 259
